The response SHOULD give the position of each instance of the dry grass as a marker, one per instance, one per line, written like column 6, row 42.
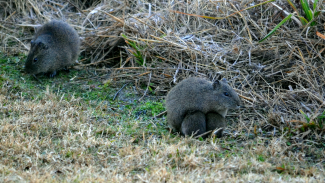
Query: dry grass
column 53, row 138
column 58, row 140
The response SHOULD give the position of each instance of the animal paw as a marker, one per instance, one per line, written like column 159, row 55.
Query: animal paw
column 66, row 69
column 52, row 74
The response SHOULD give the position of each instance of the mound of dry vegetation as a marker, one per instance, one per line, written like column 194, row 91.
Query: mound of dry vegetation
column 278, row 136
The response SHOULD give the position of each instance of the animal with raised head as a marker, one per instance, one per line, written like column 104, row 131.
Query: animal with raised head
column 196, row 105
column 55, row 46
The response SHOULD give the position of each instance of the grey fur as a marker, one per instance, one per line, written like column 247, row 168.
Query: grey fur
column 55, row 46
column 196, row 105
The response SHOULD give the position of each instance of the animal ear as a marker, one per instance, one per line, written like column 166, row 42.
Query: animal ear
column 42, row 45
column 216, row 84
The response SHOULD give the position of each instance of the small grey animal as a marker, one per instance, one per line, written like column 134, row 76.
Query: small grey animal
column 195, row 105
column 55, row 46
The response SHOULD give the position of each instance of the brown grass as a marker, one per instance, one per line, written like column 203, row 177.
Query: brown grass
column 54, row 139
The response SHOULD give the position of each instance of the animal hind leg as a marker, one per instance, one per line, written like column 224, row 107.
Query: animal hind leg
column 194, row 123
column 66, row 69
column 214, row 121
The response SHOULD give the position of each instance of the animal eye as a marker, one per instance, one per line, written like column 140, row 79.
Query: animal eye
column 226, row 94
column 35, row 60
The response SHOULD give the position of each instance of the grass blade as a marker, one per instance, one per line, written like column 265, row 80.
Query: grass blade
column 305, row 115
column 293, row 7
column 315, row 5
column 276, row 27
column 306, row 9
column 303, row 20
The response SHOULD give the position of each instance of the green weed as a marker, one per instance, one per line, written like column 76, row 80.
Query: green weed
column 311, row 15
column 137, row 50
column 261, row 158
column 276, row 28
column 315, row 124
